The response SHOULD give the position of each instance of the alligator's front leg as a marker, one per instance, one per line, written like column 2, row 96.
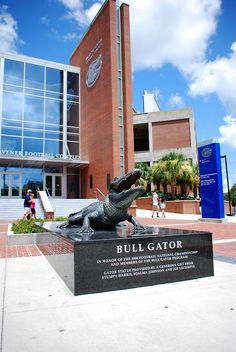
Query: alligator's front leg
column 86, row 225
column 136, row 223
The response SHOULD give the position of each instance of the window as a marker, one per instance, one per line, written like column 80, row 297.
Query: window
column 141, row 137
column 108, row 180
column 53, row 147
column 73, row 148
column 34, row 109
column 33, row 133
column 11, row 143
column 54, row 82
column 54, row 111
column 72, row 85
column 12, row 106
column 12, row 131
column 34, row 76
column 73, row 115
column 31, row 145
column 13, row 72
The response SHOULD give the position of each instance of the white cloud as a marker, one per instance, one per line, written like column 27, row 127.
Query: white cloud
column 175, row 101
column 173, row 31
column 8, row 31
column 218, row 77
column 176, row 32
column 70, row 37
column 228, row 131
column 77, row 11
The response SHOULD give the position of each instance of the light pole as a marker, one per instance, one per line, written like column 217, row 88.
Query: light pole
column 227, row 177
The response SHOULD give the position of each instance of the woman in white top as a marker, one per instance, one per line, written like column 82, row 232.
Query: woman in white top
column 163, row 206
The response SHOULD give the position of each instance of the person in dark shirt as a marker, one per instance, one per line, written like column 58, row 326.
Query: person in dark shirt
column 27, row 201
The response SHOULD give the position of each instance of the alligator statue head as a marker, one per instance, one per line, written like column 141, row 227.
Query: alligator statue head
column 123, row 191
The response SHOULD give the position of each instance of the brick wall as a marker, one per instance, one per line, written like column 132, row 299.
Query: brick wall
column 127, row 88
column 99, row 132
column 171, row 134
column 176, row 206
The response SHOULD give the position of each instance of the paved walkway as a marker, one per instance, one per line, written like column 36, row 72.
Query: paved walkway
column 224, row 234
column 7, row 251
column 39, row 314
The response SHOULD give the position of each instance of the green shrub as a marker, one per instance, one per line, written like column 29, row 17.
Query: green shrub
column 61, row 218
column 26, row 226
column 58, row 218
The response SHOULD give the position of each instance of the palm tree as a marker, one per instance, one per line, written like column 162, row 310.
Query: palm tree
column 185, row 176
column 160, row 175
column 195, row 179
column 173, row 165
column 175, row 169
column 145, row 179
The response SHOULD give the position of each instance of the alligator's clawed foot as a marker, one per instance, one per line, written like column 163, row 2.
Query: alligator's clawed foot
column 139, row 229
column 86, row 229
column 64, row 225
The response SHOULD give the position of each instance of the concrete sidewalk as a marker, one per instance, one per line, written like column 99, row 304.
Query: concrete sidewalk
column 39, row 314
column 142, row 213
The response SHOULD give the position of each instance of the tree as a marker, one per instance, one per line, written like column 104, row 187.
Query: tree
column 195, row 180
column 145, row 179
column 171, row 166
column 175, row 169
column 160, row 174
column 232, row 195
column 189, row 176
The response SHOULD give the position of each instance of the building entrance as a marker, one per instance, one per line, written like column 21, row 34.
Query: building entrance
column 10, row 185
column 53, row 184
column 15, row 181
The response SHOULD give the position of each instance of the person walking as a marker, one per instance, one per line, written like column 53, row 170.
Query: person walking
column 27, row 213
column 32, row 206
column 163, row 206
column 155, row 204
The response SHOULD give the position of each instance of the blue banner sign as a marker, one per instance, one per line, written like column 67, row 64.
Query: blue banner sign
column 211, row 185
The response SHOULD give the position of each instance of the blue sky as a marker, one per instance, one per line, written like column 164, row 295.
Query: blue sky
column 184, row 51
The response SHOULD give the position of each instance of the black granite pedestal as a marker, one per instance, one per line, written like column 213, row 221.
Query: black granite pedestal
column 117, row 260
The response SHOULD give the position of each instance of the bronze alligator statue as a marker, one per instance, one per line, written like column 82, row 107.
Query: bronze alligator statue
column 105, row 215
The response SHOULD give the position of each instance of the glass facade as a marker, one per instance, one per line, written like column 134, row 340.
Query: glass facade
column 40, row 109
column 39, row 119
column 14, row 181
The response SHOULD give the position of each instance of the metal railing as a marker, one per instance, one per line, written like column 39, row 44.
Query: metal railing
column 98, row 191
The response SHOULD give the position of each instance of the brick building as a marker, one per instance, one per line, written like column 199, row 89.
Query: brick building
column 158, row 132
column 106, row 103
column 161, row 132
column 69, row 128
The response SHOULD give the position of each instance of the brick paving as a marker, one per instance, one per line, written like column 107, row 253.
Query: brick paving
column 224, row 237
column 221, row 232
column 14, row 251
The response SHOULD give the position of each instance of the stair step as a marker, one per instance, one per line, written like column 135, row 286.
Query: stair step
column 13, row 209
